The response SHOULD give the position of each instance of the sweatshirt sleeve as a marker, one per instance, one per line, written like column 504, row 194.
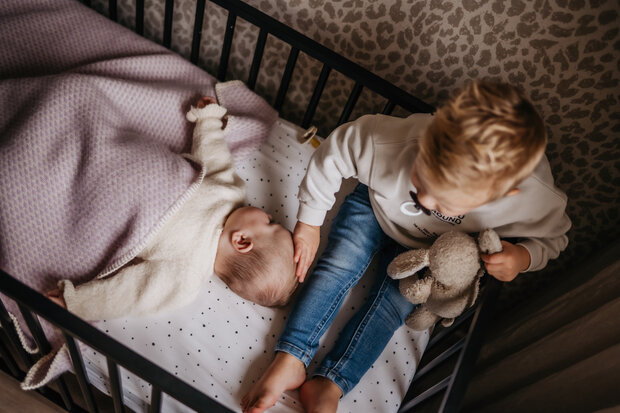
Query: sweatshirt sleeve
column 209, row 147
column 139, row 289
column 543, row 249
column 541, row 221
column 545, row 235
column 346, row 153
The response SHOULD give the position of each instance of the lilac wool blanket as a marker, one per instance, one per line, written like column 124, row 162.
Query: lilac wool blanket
column 92, row 134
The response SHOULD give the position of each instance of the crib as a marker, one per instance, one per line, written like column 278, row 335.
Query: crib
column 448, row 360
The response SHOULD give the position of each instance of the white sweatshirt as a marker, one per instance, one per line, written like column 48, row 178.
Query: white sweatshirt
column 169, row 272
column 379, row 151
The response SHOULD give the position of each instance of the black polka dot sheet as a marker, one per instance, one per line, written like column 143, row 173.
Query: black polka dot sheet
column 221, row 344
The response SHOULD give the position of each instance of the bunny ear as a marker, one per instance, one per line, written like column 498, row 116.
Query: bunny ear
column 408, row 263
column 489, row 242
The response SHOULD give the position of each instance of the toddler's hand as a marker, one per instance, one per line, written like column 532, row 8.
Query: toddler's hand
column 306, row 239
column 56, row 297
column 507, row 264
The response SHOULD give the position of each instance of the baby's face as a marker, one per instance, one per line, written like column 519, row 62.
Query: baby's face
column 259, row 223
column 450, row 202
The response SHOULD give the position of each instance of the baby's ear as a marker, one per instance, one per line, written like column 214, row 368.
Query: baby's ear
column 408, row 263
column 240, row 242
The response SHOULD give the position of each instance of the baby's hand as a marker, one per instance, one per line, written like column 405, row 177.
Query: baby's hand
column 207, row 100
column 507, row 264
column 216, row 112
column 306, row 239
column 56, row 296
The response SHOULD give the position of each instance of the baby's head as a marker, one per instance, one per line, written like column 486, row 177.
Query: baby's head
column 484, row 141
column 255, row 258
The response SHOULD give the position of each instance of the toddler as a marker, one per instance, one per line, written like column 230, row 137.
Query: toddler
column 477, row 163
column 212, row 232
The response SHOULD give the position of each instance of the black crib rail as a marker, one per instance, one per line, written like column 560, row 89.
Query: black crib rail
column 74, row 328
column 298, row 42
column 448, row 389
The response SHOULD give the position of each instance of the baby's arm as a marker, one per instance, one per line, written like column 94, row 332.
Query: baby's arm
column 208, row 144
column 143, row 288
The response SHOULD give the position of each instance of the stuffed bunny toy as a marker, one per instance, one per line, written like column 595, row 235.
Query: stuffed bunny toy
column 450, row 285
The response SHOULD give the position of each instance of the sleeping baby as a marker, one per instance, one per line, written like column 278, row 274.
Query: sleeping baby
column 211, row 233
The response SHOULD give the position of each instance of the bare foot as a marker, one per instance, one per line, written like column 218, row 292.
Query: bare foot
column 320, row 395
column 285, row 372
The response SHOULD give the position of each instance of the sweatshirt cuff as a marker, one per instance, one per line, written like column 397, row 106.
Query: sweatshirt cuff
column 210, row 111
column 535, row 258
column 311, row 216
column 70, row 296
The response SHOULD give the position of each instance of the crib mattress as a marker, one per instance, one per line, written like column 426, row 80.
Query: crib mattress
column 221, row 344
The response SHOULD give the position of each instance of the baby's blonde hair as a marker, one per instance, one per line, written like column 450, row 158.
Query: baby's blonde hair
column 488, row 133
column 263, row 275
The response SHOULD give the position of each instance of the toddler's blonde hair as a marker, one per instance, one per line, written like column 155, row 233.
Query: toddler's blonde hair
column 487, row 134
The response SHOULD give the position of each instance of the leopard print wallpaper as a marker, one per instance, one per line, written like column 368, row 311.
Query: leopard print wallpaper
column 564, row 53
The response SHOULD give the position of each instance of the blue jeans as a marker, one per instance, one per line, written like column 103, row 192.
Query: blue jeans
column 354, row 239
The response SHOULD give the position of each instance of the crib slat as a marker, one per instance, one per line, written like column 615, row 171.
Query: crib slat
column 448, row 330
column 439, row 359
column 389, row 108
column 258, row 56
column 6, row 356
column 168, row 23
column 44, row 348
column 321, row 53
column 348, row 107
column 11, row 334
column 464, row 369
column 80, row 372
column 155, row 406
column 408, row 407
column 286, row 78
column 103, row 343
column 115, row 386
column 228, row 37
column 140, row 17
column 198, row 19
column 112, row 10
column 316, row 96
column 36, row 330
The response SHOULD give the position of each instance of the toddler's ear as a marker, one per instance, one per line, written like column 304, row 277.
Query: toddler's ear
column 241, row 243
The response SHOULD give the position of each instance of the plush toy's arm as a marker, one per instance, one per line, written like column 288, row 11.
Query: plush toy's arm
column 476, row 288
column 489, row 242
column 416, row 290
column 408, row 263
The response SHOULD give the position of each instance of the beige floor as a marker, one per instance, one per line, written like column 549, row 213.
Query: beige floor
column 14, row 400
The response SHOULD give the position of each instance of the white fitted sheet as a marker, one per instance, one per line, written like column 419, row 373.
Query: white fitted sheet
column 221, row 344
